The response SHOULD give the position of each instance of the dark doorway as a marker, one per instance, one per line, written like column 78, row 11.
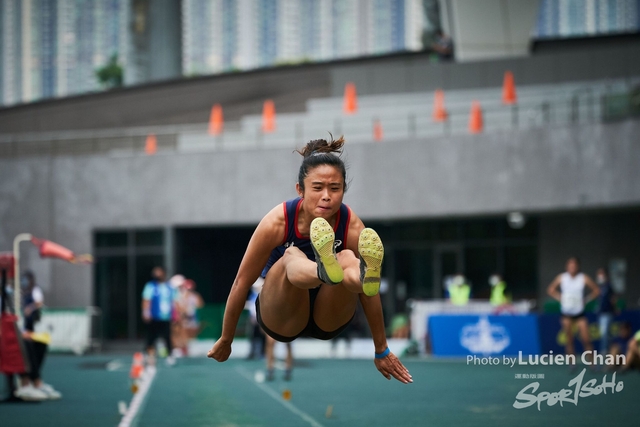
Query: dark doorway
column 211, row 257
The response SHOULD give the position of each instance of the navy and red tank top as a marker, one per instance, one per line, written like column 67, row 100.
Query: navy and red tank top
column 294, row 238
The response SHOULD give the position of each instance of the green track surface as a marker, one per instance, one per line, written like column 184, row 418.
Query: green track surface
column 201, row 392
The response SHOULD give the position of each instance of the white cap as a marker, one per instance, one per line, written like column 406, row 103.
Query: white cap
column 458, row 280
column 177, row 281
column 494, row 279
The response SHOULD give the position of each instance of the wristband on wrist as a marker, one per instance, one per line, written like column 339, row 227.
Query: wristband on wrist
column 384, row 354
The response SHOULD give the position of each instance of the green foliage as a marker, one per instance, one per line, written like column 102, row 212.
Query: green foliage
column 111, row 75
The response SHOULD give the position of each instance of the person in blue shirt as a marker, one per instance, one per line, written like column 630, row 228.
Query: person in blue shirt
column 158, row 305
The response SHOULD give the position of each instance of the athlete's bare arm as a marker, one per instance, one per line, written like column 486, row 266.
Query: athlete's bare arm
column 389, row 366
column 553, row 290
column 595, row 290
column 268, row 235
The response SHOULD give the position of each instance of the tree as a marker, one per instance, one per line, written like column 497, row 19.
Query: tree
column 110, row 75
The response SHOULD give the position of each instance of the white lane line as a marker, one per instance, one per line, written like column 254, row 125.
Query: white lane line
column 138, row 398
column 247, row 375
column 114, row 365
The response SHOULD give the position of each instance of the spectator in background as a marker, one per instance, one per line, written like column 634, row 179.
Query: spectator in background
column 633, row 352
column 271, row 359
column 256, row 334
column 190, row 302
column 606, row 307
column 354, row 330
column 498, row 290
column 31, row 385
column 620, row 343
column 178, row 333
column 400, row 326
column 158, row 305
column 569, row 288
column 32, row 300
column 459, row 291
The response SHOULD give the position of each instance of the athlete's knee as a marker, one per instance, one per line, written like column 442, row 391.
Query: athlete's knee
column 347, row 258
column 292, row 252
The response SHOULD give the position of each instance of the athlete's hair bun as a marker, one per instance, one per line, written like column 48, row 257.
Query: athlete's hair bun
column 322, row 146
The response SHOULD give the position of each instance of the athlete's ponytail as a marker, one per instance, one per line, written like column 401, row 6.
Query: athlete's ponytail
column 320, row 152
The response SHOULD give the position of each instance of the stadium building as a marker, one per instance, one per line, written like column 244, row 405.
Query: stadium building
column 561, row 163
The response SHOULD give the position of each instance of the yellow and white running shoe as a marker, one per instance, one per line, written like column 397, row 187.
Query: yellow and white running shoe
column 322, row 238
column 371, row 254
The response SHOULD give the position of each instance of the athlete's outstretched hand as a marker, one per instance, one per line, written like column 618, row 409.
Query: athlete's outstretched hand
column 220, row 350
column 390, row 366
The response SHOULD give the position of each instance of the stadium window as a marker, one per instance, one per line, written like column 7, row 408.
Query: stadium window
column 480, row 263
column 448, row 230
column 521, row 270
column 481, row 229
column 116, row 239
column 149, row 238
column 530, row 229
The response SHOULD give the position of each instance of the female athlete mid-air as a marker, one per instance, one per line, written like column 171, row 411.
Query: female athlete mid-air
column 317, row 260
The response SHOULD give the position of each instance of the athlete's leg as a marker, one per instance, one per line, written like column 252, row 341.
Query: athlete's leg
column 567, row 326
column 583, row 330
column 300, row 271
column 284, row 307
column 335, row 305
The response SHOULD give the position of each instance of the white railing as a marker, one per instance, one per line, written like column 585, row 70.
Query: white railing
column 73, row 329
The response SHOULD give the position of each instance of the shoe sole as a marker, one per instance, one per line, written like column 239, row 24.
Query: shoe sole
column 322, row 238
column 371, row 252
column 31, row 398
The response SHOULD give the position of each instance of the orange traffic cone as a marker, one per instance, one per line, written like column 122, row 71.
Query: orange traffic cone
column 378, row 134
column 350, row 99
column 151, row 145
column 475, row 118
column 509, row 95
column 216, row 120
column 268, row 116
column 137, row 367
column 440, row 114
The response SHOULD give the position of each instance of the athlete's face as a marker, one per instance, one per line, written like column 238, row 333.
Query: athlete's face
column 572, row 267
column 323, row 191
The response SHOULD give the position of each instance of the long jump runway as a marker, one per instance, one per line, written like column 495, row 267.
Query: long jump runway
column 201, row 392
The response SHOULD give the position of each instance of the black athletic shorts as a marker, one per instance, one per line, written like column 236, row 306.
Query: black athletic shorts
column 311, row 330
column 574, row 316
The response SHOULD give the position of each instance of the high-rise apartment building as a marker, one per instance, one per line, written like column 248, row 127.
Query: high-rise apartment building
column 571, row 18
column 52, row 48
column 223, row 35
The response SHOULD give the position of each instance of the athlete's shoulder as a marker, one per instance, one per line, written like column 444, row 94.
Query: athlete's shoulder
column 277, row 215
column 354, row 228
column 354, row 219
column 273, row 225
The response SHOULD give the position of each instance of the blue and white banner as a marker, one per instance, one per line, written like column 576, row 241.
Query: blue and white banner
column 454, row 335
